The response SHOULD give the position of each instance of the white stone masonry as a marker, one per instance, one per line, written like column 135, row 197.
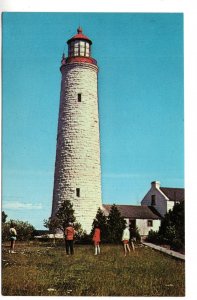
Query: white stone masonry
column 77, row 169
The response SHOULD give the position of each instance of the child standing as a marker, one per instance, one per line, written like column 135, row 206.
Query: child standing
column 125, row 240
column 13, row 235
column 96, row 239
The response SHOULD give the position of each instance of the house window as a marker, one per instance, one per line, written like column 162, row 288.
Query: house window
column 150, row 223
column 78, row 192
column 153, row 200
column 79, row 97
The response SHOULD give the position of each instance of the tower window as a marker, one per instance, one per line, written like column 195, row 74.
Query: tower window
column 153, row 200
column 79, row 97
column 78, row 192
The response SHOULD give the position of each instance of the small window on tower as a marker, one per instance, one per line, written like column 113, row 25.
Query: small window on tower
column 78, row 192
column 79, row 97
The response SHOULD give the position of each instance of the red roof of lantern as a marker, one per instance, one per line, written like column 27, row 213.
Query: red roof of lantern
column 79, row 36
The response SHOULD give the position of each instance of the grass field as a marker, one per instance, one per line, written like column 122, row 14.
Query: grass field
column 42, row 270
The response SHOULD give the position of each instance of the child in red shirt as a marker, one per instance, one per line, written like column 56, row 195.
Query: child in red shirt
column 96, row 239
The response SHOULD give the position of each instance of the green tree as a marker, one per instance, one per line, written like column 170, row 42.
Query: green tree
column 79, row 232
column 101, row 221
column 4, row 217
column 65, row 215
column 52, row 224
column 116, row 225
column 173, row 225
column 172, row 229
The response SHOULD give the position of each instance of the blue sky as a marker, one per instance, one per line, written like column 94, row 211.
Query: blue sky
column 141, row 105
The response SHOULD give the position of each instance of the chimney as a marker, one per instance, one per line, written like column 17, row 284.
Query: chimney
column 155, row 184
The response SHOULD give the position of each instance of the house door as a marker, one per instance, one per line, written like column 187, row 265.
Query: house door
column 132, row 224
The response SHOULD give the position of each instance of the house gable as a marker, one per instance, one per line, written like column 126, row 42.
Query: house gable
column 160, row 199
column 164, row 198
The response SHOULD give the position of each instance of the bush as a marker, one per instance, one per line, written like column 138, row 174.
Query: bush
column 170, row 233
column 24, row 230
column 173, row 225
column 177, row 245
column 84, row 239
column 172, row 230
column 153, row 236
column 5, row 232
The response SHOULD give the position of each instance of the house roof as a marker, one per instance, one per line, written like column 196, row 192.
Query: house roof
column 134, row 211
column 174, row 194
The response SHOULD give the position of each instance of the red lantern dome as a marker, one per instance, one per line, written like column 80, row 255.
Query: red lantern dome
column 79, row 36
column 79, row 49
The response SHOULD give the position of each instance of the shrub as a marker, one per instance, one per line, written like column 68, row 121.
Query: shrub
column 84, row 239
column 173, row 224
column 170, row 233
column 24, row 230
column 5, row 232
column 177, row 245
column 153, row 236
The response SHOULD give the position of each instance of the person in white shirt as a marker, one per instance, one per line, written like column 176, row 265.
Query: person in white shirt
column 125, row 240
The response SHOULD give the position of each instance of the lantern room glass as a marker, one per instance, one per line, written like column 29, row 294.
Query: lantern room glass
column 79, row 48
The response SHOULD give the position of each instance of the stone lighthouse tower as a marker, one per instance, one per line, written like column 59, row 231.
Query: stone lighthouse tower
column 77, row 169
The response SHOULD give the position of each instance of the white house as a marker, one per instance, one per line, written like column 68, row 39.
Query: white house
column 162, row 198
column 142, row 217
column 155, row 204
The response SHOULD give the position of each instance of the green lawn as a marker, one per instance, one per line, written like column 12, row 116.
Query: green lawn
column 39, row 270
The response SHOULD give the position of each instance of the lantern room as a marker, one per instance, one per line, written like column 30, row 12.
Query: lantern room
column 79, row 45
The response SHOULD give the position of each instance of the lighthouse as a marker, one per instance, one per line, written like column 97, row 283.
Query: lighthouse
column 77, row 175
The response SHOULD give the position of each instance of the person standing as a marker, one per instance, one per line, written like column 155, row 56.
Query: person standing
column 96, row 239
column 69, row 237
column 125, row 240
column 132, row 238
column 13, row 235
